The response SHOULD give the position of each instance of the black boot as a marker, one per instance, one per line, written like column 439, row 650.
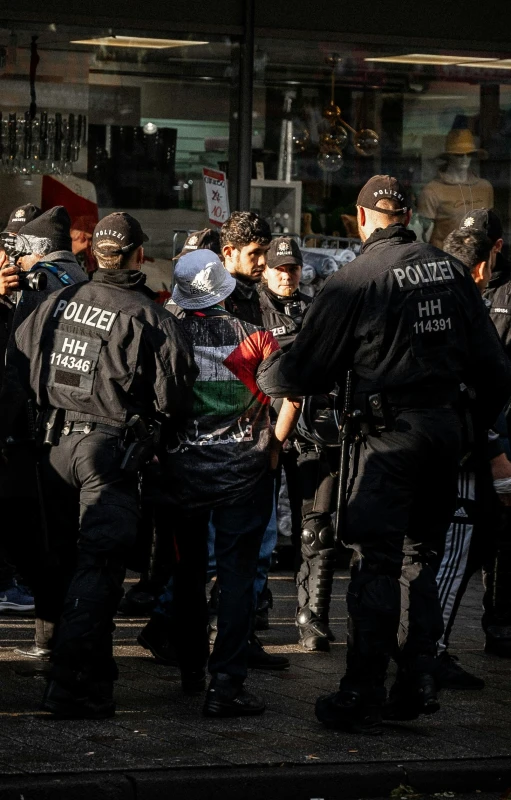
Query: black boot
column 156, row 636
column 66, row 704
column 498, row 640
column 138, row 601
column 258, row 658
column 314, row 584
column 315, row 635
column 350, row 711
column 228, row 698
column 413, row 694
column 451, row 675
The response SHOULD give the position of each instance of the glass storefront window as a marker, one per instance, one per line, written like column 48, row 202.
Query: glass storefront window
column 98, row 123
column 441, row 124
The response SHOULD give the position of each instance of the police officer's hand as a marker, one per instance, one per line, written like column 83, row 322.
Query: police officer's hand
column 9, row 280
column 501, row 473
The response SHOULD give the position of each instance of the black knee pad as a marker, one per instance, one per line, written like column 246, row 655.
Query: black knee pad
column 317, row 535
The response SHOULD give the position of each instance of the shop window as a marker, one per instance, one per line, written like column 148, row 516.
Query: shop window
column 99, row 122
column 441, row 123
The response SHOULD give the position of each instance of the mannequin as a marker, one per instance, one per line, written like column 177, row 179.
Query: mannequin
column 456, row 189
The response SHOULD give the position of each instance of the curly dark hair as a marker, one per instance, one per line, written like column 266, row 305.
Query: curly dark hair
column 244, row 227
column 469, row 247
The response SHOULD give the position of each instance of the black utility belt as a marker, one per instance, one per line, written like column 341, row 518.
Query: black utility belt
column 72, row 426
column 54, row 423
column 138, row 439
column 380, row 409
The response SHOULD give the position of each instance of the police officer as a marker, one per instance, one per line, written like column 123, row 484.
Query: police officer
column 282, row 304
column 41, row 245
column 409, row 323
column 496, row 558
column 310, row 472
column 100, row 359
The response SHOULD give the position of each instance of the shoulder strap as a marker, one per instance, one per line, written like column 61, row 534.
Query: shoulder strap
column 59, row 273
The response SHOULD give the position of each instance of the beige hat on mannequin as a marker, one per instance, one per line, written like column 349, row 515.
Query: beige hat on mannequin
column 460, row 142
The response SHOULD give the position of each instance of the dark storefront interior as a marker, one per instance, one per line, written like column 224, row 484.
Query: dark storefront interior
column 129, row 119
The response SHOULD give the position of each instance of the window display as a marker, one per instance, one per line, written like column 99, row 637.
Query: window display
column 99, row 122
column 445, row 200
column 129, row 120
column 439, row 122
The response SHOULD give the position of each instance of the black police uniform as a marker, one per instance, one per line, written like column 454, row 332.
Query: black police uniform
column 410, row 323
column 497, row 565
column 498, row 295
column 97, row 354
column 283, row 316
column 309, row 468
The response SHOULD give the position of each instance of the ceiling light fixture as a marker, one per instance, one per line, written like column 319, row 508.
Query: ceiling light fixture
column 502, row 63
column 150, row 128
column 429, row 59
column 141, row 42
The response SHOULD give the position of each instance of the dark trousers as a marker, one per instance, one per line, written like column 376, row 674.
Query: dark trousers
column 403, row 494
column 239, row 532
column 92, row 513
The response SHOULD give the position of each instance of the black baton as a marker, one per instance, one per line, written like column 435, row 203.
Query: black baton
column 347, row 437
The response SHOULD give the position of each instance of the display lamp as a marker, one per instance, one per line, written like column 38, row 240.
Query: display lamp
column 334, row 134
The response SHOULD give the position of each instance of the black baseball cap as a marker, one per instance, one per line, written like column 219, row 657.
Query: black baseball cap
column 206, row 239
column 21, row 216
column 117, row 234
column 483, row 219
column 283, row 250
column 381, row 187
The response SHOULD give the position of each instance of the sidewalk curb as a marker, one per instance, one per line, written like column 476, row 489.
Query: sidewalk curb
column 283, row 781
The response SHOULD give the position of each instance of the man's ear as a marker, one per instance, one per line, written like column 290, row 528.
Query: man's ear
column 408, row 217
column 227, row 250
column 499, row 244
column 479, row 271
column 361, row 216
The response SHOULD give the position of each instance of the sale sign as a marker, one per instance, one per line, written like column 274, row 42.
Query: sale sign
column 217, row 198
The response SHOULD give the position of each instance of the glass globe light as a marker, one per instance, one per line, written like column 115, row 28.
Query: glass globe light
column 329, row 161
column 332, row 136
column 366, row 142
column 300, row 135
column 331, row 112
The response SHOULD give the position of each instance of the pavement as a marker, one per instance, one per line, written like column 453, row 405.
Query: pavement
column 158, row 746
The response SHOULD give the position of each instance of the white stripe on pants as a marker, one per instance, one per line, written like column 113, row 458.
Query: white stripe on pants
column 454, row 562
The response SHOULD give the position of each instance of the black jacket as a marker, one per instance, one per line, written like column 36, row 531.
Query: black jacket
column 408, row 319
column 283, row 316
column 61, row 269
column 501, row 275
column 103, row 349
column 498, row 295
column 244, row 303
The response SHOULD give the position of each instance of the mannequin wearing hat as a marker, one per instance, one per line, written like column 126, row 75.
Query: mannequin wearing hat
column 456, row 189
